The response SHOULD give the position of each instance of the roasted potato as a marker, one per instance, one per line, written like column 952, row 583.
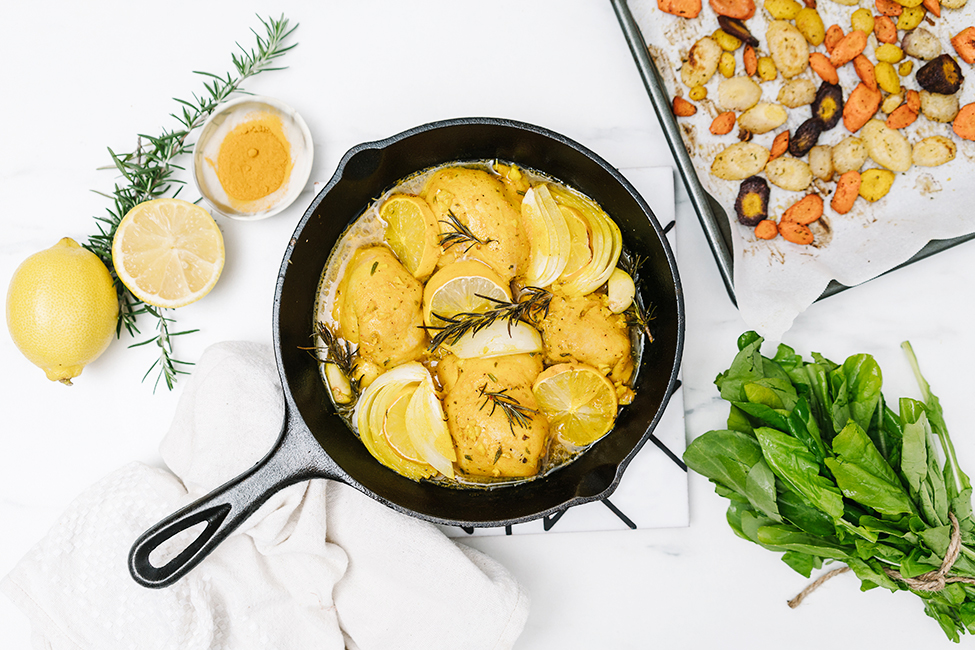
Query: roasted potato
column 887, row 147
column 921, row 44
column 849, row 155
column 702, row 62
column 738, row 94
column 788, row 47
column 739, row 161
column 762, row 118
column 939, row 108
column 821, row 162
column 788, row 173
column 797, row 92
column 933, row 151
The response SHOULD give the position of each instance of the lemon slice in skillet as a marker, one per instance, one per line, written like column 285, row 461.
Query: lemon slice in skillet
column 462, row 287
column 578, row 400
column 411, row 231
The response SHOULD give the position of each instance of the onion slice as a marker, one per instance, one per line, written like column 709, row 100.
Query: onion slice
column 549, row 236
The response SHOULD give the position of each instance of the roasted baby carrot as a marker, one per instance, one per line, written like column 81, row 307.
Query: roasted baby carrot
column 933, row 7
column 683, row 108
column 889, row 8
column 682, row 8
column 865, row 70
column 820, row 65
column 779, row 145
column 723, row 123
column 964, row 124
column 750, row 59
column 740, row 9
column 766, row 229
column 884, row 29
column 847, row 48
column 833, row 36
column 795, row 232
column 804, row 211
column 964, row 44
column 901, row 117
column 861, row 106
column 913, row 101
column 847, row 191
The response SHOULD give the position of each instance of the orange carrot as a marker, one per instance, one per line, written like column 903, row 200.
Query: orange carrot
column 683, row 108
column 933, row 6
column 682, row 8
column 821, row 66
column 766, row 229
column 809, row 3
column 884, row 29
column 847, row 191
column 740, row 9
column 889, row 8
column 804, row 211
column 913, row 101
column 861, row 106
column 865, row 70
column 848, row 47
column 833, row 36
column 795, row 232
column 723, row 123
column 779, row 145
column 751, row 60
column 964, row 124
column 964, row 43
column 901, row 117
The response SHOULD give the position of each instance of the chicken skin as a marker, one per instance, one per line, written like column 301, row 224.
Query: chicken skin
column 584, row 329
column 481, row 203
column 378, row 306
column 488, row 443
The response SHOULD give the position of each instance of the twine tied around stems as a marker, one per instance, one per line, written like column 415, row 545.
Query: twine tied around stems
column 931, row 581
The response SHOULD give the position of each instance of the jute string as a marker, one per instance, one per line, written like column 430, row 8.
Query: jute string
column 931, row 581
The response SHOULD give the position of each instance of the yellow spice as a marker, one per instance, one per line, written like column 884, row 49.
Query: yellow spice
column 254, row 159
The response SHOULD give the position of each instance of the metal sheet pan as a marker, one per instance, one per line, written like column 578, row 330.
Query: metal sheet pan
column 713, row 218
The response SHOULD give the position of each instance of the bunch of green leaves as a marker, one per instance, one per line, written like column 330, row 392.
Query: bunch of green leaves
column 150, row 172
column 817, row 466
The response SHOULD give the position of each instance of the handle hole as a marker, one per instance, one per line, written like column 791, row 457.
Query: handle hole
column 169, row 549
column 211, row 517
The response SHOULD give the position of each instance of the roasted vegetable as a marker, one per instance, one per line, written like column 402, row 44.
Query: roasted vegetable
column 821, row 162
column 847, row 48
column 723, row 123
column 875, row 183
column 795, row 233
column 805, row 137
column 789, row 173
column 762, row 118
column 796, row 92
column 736, row 28
column 828, row 105
column 751, row 206
column 701, row 63
column 922, row 44
column 964, row 44
column 933, row 151
column 847, row 190
column 939, row 108
column 739, row 161
column 860, row 107
column 964, row 123
column 849, row 155
column 788, row 47
column 682, row 8
column 683, row 108
column 804, row 211
column 779, row 145
column 738, row 94
column 887, row 146
column 941, row 74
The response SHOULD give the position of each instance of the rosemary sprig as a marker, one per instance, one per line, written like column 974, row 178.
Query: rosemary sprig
column 516, row 412
column 532, row 308
column 459, row 234
column 637, row 315
column 339, row 353
column 148, row 172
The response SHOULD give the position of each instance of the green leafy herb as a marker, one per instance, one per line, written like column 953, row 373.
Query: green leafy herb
column 818, row 467
column 340, row 353
column 459, row 234
column 531, row 307
column 517, row 413
column 148, row 172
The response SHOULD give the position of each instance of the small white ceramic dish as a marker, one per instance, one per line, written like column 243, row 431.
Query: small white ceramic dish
column 221, row 122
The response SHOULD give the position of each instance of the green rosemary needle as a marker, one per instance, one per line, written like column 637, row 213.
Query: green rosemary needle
column 459, row 234
column 339, row 353
column 516, row 412
column 148, row 172
column 532, row 308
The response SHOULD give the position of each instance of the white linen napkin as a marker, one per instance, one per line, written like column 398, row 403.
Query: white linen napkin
column 318, row 566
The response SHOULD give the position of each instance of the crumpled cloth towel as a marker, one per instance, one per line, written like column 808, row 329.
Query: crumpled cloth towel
column 318, row 566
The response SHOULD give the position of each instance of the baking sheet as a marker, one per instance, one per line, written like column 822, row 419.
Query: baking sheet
column 772, row 284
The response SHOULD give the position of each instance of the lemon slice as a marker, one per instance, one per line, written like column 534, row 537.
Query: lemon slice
column 168, row 252
column 412, row 231
column 578, row 400
column 459, row 288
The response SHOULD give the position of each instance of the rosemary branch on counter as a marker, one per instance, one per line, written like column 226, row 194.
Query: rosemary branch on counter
column 148, row 172
column 531, row 308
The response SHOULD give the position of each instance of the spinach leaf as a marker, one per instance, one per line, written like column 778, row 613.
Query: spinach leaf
column 797, row 466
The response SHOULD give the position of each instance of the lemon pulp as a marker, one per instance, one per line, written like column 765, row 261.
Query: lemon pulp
column 578, row 400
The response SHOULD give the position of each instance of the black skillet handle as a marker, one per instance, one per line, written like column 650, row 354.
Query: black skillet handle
column 296, row 457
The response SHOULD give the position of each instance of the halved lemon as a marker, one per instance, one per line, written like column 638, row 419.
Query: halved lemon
column 168, row 252
column 412, row 232
column 578, row 400
column 459, row 288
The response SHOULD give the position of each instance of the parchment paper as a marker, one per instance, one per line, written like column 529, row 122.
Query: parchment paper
column 776, row 280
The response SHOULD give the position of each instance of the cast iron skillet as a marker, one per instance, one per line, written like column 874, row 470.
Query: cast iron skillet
column 316, row 443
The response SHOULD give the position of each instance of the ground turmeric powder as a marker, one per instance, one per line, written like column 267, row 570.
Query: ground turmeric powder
column 254, row 159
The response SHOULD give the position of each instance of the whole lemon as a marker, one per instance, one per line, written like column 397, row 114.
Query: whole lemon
column 62, row 309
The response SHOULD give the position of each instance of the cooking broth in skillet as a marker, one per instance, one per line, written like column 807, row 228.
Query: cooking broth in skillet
column 478, row 325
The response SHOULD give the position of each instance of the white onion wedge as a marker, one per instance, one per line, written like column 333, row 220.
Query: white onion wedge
column 606, row 244
column 549, row 236
column 497, row 339
column 428, row 431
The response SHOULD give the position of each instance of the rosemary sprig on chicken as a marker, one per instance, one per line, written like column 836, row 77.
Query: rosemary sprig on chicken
column 459, row 234
column 516, row 412
column 531, row 308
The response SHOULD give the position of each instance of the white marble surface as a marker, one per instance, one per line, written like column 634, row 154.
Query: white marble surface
column 80, row 77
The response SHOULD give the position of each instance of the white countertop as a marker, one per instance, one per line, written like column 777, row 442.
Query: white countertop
column 79, row 78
